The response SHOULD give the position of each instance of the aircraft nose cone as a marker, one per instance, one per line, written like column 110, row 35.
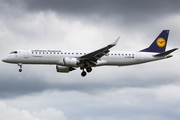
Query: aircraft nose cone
column 4, row 59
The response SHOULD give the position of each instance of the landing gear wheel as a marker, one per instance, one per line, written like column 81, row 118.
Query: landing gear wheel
column 20, row 65
column 89, row 69
column 20, row 70
column 83, row 74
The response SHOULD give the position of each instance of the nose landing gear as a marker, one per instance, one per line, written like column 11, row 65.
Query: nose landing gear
column 20, row 65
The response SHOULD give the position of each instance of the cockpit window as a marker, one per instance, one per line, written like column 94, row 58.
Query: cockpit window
column 14, row 52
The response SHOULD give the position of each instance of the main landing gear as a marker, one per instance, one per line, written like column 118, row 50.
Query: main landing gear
column 83, row 73
column 88, row 69
column 20, row 65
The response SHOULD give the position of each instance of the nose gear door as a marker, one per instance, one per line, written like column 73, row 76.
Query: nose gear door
column 26, row 53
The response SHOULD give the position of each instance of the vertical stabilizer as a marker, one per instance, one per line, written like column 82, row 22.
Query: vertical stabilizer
column 159, row 44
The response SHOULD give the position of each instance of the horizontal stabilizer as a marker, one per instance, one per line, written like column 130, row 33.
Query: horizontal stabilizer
column 165, row 53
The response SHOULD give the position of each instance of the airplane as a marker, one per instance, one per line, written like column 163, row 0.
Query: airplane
column 67, row 61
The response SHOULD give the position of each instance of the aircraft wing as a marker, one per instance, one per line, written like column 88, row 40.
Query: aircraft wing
column 96, row 55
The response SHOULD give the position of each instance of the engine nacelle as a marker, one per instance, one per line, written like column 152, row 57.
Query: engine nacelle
column 68, row 62
column 64, row 69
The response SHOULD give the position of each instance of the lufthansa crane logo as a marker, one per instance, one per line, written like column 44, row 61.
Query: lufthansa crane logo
column 160, row 42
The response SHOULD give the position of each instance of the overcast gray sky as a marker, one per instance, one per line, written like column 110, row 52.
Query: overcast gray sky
column 147, row 91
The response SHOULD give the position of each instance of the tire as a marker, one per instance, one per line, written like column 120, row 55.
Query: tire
column 83, row 74
column 89, row 69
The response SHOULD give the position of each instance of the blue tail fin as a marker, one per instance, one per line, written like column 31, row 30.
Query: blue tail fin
column 159, row 44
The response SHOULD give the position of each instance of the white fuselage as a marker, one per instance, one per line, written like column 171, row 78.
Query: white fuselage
column 54, row 57
column 67, row 61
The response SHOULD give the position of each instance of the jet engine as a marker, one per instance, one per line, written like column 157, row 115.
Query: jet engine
column 64, row 69
column 69, row 62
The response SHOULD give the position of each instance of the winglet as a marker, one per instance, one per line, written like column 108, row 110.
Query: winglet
column 115, row 41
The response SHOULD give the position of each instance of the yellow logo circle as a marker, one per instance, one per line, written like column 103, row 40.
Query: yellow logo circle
column 160, row 42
